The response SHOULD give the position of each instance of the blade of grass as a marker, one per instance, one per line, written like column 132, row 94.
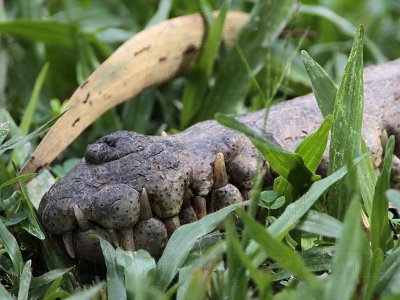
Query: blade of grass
column 238, row 274
column 12, row 248
column 4, row 130
column 237, row 281
column 46, row 279
column 268, row 18
column 381, row 236
column 311, row 150
column 4, row 294
column 16, row 179
column 321, row 224
column 344, row 26
column 197, row 81
column 18, row 141
column 162, row 13
column 280, row 252
column 372, row 274
column 325, row 92
column 346, row 130
column 183, row 240
column 34, row 100
column 186, row 272
column 296, row 210
column 324, row 88
column 87, row 294
column 49, row 32
column 136, row 266
column 389, row 270
column 115, row 278
column 25, row 281
column 347, row 262
column 287, row 164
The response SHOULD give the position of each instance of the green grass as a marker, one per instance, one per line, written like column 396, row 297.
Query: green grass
column 294, row 247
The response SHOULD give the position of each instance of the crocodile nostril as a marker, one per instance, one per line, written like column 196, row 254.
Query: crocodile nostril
column 111, row 141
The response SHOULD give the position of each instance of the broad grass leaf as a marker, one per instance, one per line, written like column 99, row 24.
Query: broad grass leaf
column 389, row 275
column 197, row 81
column 343, row 25
column 162, row 13
column 88, row 293
column 212, row 256
column 4, row 294
column 316, row 259
column 237, row 281
column 12, row 248
column 373, row 261
column 137, row 266
column 381, row 236
column 279, row 251
column 34, row 100
column 18, row 141
column 183, row 240
column 25, row 281
column 313, row 147
column 268, row 18
column 49, row 32
column 38, row 283
column 311, row 150
column 323, row 86
column 238, row 276
column 15, row 218
column 115, row 277
column 16, row 179
column 287, row 164
column 321, row 224
column 296, row 210
column 325, row 93
column 4, row 130
column 346, row 130
column 347, row 263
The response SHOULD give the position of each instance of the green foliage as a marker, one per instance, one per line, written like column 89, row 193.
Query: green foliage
column 289, row 231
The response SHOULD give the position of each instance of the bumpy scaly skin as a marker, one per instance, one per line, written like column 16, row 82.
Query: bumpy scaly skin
column 184, row 175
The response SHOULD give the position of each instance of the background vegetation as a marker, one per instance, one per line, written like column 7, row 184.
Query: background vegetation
column 47, row 48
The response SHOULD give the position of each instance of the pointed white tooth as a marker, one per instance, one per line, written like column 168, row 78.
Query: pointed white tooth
column 125, row 237
column 199, row 204
column 220, row 175
column 172, row 224
column 68, row 243
column 384, row 139
column 83, row 223
column 145, row 208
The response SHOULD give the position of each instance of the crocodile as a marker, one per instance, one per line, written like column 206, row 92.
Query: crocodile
column 136, row 190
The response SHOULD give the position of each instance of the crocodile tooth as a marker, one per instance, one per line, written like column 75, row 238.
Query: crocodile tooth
column 83, row 223
column 187, row 215
column 172, row 224
column 68, row 243
column 200, row 207
column 384, row 139
column 125, row 237
column 145, row 208
column 220, row 175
